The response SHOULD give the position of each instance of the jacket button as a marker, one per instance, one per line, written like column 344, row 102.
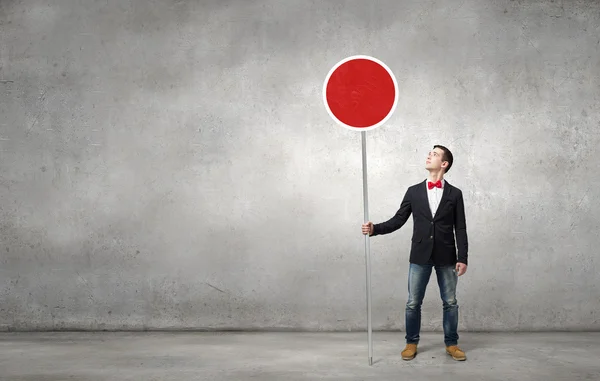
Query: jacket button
column 431, row 237
column 432, row 222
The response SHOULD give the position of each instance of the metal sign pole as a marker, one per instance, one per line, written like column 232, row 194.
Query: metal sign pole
column 367, row 248
column 373, row 82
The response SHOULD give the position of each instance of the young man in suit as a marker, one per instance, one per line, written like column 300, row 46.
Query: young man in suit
column 438, row 213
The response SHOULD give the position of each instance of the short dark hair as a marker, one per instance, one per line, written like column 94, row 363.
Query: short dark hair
column 447, row 156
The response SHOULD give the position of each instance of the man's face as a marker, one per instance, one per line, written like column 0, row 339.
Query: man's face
column 434, row 159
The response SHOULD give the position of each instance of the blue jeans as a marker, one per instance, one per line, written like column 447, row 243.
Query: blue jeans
column 418, row 277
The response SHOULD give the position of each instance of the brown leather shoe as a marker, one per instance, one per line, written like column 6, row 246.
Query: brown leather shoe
column 409, row 352
column 456, row 353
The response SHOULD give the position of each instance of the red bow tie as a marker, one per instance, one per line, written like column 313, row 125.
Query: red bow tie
column 431, row 185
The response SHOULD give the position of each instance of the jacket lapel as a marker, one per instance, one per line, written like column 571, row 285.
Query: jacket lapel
column 425, row 199
column 445, row 197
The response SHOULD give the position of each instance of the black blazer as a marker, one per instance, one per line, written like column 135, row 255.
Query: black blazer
column 432, row 235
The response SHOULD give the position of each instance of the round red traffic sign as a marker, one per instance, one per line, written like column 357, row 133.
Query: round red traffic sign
column 360, row 93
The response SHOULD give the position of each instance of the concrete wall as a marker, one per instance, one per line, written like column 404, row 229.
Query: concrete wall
column 172, row 165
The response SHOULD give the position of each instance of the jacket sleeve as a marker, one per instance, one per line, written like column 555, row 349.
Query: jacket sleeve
column 460, row 229
column 398, row 220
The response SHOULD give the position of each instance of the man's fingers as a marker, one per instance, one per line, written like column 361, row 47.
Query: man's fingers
column 366, row 228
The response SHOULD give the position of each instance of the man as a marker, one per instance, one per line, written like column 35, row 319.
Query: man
column 438, row 210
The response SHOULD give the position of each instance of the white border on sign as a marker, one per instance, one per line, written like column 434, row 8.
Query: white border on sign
column 395, row 93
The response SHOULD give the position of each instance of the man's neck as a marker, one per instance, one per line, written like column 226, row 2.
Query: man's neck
column 435, row 176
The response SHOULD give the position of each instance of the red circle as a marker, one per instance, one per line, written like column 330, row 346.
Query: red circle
column 360, row 93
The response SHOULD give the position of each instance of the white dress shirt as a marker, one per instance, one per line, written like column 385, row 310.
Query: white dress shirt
column 434, row 195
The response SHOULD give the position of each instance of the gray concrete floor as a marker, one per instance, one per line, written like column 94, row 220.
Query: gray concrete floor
column 293, row 356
